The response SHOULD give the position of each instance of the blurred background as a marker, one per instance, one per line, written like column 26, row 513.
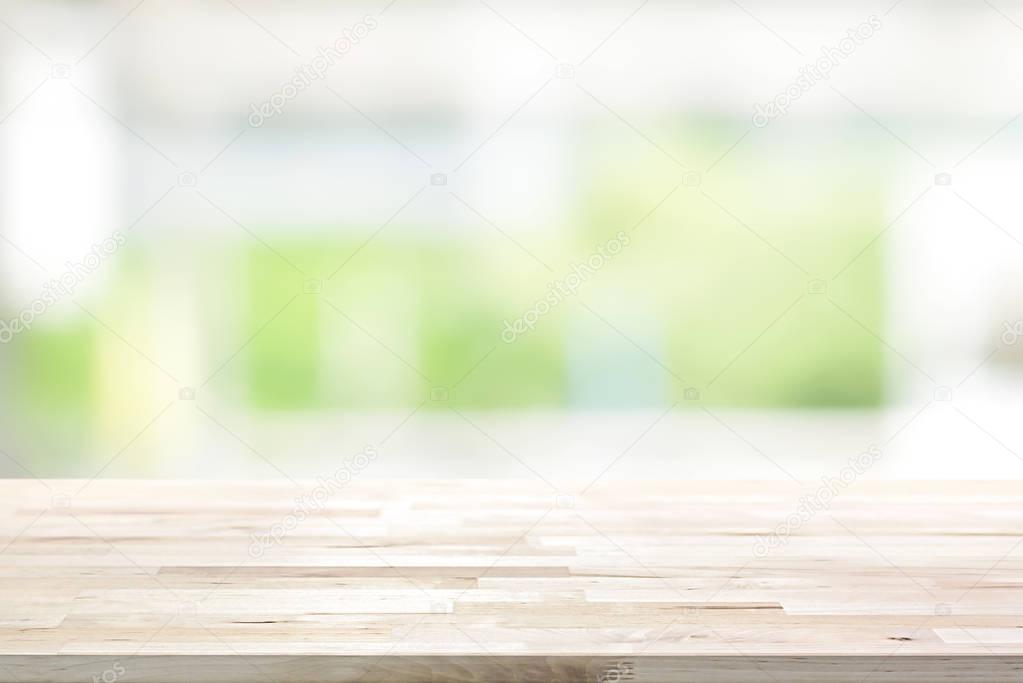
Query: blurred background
column 246, row 238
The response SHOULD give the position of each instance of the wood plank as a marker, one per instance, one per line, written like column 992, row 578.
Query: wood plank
column 496, row 580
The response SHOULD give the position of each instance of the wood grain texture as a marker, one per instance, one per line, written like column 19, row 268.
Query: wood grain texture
column 504, row 580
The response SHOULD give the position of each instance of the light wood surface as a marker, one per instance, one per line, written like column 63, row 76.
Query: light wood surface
column 505, row 580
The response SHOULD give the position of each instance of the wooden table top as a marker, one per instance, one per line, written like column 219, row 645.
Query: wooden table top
column 508, row 580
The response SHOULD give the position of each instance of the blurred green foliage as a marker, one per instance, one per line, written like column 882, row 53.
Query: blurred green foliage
column 56, row 369
column 732, row 264
column 714, row 293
